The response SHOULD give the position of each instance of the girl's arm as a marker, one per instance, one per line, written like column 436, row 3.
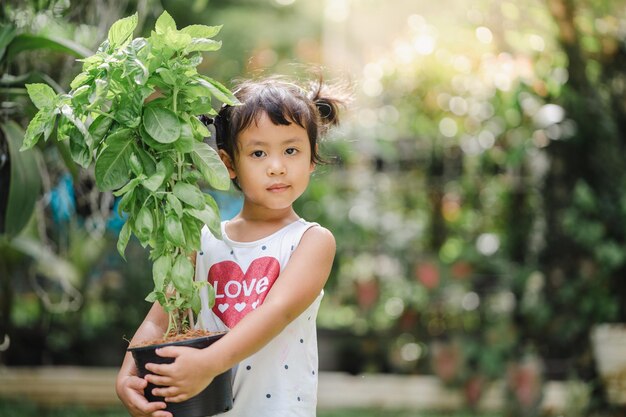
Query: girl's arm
column 129, row 386
column 296, row 288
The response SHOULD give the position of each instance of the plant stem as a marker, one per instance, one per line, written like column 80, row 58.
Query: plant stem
column 174, row 99
column 101, row 113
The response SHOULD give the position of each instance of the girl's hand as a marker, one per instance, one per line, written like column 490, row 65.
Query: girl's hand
column 182, row 379
column 130, row 391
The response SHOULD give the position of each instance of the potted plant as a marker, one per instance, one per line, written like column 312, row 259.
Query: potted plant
column 132, row 115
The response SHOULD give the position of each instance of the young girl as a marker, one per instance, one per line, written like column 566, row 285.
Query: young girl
column 268, row 271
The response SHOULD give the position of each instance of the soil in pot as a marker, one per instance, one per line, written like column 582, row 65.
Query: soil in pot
column 216, row 398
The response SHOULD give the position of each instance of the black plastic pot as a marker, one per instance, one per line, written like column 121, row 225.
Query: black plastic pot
column 216, row 398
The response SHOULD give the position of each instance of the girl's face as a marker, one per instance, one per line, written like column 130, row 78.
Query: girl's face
column 272, row 164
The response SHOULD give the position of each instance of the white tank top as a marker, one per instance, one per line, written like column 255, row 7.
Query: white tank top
column 281, row 378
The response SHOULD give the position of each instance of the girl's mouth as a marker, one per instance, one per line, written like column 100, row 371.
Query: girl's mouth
column 276, row 188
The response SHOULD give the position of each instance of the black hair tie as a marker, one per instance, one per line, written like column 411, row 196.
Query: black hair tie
column 325, row 110
column 206, row 120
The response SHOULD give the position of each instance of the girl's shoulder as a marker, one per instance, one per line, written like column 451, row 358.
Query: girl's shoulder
column 315, row 235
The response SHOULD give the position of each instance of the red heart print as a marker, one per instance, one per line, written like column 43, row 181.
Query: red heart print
column 236, row 293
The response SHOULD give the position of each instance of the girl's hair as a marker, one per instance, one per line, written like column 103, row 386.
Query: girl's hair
column 314, row 107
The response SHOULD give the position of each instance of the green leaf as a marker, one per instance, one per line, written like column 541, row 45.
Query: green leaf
column 169, row 77
column 154, row 182
column 174, row 231
column 178, row 41
column 135, row 164
column 42, row 95
column 161, row 269
column 122, row 240
column 80, row 80
column 99, row 128
column 24, row 181
column 211, row 294
column 217, row 90
column 152, row 297
column 127, row 203
column 34, row 130
column 196, row 302
column 26, row 41
column 161, row 124
column 163, row 23
column 189, row 194
column 68, row 112
column 210, row 165
column 130, row 186
column 144, row 224
column 203, row 45
column 121, row 30
column 182, row 276
column 191, row 229
column 112, row 169
column 148, row 140
column 210, row 217
column 201, row 31
column 147, row 160
column 175, row 204
column 199, row 128
column 185, row 142
column 7, row 33
column 164, row 169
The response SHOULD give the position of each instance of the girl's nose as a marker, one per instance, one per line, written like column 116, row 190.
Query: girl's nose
column 276, row 167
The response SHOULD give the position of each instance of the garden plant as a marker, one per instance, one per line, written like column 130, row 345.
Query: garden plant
column 132, row 116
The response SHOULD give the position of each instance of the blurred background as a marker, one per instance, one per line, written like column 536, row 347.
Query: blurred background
column 477, row 189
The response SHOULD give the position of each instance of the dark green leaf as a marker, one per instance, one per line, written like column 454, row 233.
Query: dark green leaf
column 182, row 275
column 161, row 269
column 81, row 154
column 210, row 217
column 191, row 229
column 7, row 33
column 24, row 181
column 26, row 41
column 130, row 186
column 128, row 110
column 112, row 169
column 126, row 204
column 208, row 162
column 161, row 124
column 196, row 302
column 175, row 204
column 174, row 231
column 147, row 160
column 99, row 128
column 144, row 224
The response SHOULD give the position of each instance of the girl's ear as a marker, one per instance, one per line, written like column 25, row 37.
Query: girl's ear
column 226, row 159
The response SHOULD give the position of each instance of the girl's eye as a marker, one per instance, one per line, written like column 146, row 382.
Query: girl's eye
column 258, row 154
column 291, row 151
